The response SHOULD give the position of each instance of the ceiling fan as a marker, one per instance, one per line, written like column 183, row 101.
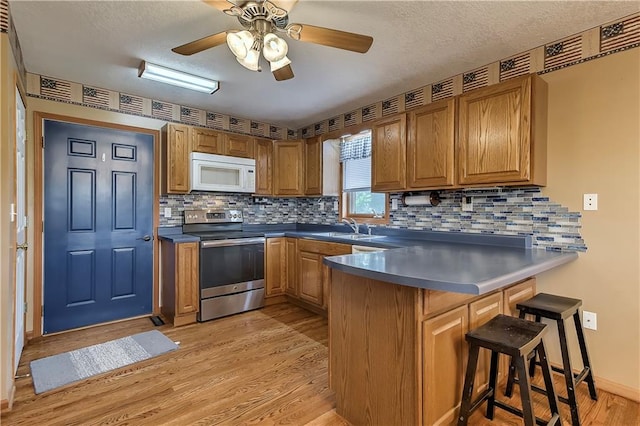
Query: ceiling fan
column 263, row 21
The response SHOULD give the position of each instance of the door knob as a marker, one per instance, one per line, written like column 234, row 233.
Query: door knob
column 23, row 246
column 145, row 238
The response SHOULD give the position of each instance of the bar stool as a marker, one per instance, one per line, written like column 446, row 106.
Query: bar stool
column 517, row 338
column 559, row 308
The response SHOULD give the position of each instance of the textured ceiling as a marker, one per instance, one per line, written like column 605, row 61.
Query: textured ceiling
column 101, row 43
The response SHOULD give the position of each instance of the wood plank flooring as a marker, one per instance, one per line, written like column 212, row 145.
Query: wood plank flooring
column 261, row 367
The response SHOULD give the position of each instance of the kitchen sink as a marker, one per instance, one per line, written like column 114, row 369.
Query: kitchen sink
column 348, row 235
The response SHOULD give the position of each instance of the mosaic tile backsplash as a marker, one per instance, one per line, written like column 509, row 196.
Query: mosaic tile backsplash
column 521, row 211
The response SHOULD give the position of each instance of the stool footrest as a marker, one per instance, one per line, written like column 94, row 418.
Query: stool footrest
column 488, row 393
column 541, row 390
column 518, row 412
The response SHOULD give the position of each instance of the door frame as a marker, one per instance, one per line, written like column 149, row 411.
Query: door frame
column 38, row 220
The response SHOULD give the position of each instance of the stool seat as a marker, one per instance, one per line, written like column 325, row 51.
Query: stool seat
column 508, row 335
column 550, row 306
column 558, row 309
column 517, row 338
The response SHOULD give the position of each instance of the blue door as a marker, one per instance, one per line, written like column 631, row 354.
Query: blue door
column 98, row 253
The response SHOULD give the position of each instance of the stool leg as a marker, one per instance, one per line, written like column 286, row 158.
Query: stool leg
column 508, row 391
column 525, row 391
column 532, row 362
column 548, row 381
column 568, row 374
column 585, row 356
column 467, row 390
column 493, row 374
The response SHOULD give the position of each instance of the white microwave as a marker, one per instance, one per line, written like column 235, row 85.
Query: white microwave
column 221, row 173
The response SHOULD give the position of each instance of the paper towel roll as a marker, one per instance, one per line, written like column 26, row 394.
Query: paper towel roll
column 417, row 200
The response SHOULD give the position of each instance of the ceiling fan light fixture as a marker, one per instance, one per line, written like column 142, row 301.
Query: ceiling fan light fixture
column 275, row 48
column 240, row 42
column 250, row 61
column 177, row 78
column 276, row 65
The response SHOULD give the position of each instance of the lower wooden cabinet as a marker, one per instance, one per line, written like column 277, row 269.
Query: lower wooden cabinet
column 274, row 267
column 180, row 266
column 314, row 276
column 291, row 252
column 445, row 350
column 444, row 361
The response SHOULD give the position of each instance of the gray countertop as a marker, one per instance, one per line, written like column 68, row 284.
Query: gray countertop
column 460, row 268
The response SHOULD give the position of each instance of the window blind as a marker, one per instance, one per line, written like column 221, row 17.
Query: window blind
column 357, row 175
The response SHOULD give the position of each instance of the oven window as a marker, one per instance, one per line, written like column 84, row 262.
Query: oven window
column 231, row 264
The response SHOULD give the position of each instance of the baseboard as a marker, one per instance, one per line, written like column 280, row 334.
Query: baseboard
column 307, row 306
column 274, row 300
column 618, row 389
column 7, row 404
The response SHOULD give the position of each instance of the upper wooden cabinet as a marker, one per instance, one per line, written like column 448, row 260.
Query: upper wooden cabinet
column 264, row 167
column 313, row 166
column 207, row 140
column 389, row 154
column 430, row 149
column 239, row 145
column 216, row 142
column 502, row 133
column 288, row 170
column 175, row 159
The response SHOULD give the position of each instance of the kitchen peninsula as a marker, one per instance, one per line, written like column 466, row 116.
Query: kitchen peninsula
column 397, row 321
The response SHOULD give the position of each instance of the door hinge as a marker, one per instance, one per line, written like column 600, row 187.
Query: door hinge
column 26, row 305
column 42, row 142
column 42, row 311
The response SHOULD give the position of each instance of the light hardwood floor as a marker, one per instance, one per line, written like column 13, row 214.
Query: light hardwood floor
column 260, row 367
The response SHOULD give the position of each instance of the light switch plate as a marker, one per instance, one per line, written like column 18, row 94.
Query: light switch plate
column 394, row 204
column 467, row 204
column 167, row 212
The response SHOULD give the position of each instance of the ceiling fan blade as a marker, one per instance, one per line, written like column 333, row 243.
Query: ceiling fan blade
column 201, row 44
column 219, row 4
column 332, row 38
column 285, row 4
column 284, row 73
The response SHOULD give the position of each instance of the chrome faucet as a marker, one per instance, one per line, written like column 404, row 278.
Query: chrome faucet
column 353, row 224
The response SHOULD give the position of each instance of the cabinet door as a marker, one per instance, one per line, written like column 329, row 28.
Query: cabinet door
column 313, row 166
column 430, row 157
column 291, row 248
column 288, row 176
column 264, row 167
column 480, row 312
column 516, row 294
column 275, row 272
column 494, row 130
column 388, row 155
column 175, row 161
column 311, row 278
column 239, row 145
column 187, row 278
column 209, row 141
column 444, row 359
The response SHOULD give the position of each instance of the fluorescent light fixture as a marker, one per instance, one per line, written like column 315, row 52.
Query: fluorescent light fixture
column 177, row 78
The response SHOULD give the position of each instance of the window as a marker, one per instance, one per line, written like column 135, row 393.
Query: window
column 357, row 199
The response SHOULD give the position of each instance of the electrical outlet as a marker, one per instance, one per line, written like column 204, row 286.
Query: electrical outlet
column 335, row 206
column 321, row 205
column 394, row 204
column 589, row 320
column 467, row 204
column 167, row 212
column 590, row 202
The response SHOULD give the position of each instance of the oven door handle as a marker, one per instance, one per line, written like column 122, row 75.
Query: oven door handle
column 232, row 242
